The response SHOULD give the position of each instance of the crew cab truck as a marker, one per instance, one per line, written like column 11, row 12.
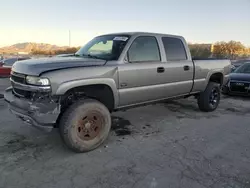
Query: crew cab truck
column 77, row 93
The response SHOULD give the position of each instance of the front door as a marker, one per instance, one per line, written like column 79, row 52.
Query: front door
column 141, row 77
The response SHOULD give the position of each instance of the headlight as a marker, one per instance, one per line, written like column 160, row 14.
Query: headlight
column 33, row 80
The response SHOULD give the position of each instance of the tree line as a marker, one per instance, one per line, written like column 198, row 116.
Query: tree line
column 231, row 50
column 55, row 52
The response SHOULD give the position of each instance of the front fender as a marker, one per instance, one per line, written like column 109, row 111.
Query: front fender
column 64, row 87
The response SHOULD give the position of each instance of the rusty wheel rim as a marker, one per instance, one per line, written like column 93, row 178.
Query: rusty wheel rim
column 90, row 126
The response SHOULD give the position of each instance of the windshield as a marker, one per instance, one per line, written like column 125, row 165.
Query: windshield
column 243, row 69
column 107, row 47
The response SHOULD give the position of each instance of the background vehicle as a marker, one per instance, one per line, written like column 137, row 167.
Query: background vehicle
column 1, row 62
column 110, row 73
column 238, row 63
column 5, row 66
column 235, row 66
column 239, row 81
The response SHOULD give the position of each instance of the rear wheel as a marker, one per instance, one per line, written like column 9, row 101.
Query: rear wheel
column 209, row 99
column 85, row 125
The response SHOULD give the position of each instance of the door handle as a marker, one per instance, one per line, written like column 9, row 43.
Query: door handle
column 160, row 69
column 186, row 68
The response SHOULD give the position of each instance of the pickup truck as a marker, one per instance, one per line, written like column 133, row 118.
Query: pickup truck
column 77, row 92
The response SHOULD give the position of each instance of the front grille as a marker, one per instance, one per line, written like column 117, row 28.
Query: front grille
column 239, row 87
column 22, row 93
column 19, row 78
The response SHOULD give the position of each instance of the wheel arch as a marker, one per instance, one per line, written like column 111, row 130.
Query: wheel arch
column 92, row 89
column 216, row 77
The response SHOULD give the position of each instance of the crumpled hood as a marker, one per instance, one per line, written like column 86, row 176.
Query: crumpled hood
column 37, row 66
column 240, row 77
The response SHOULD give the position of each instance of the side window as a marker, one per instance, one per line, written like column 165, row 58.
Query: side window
column 144, row 49
column 174, row 49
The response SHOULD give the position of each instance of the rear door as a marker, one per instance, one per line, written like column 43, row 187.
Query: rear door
column 178, row 67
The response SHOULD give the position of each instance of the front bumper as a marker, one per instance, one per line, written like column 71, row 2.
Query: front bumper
column 42, row 114
column 226, row 90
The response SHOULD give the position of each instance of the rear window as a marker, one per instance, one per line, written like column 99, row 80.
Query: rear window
column 174, row 49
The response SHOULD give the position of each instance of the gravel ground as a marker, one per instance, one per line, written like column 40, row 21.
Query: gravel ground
column 159, row 146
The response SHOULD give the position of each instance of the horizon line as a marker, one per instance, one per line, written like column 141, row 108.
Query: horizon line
column 72, row 46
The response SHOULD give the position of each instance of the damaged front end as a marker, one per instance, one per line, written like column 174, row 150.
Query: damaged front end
column 33, row 104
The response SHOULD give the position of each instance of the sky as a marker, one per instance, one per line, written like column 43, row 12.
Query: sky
column 49, row 21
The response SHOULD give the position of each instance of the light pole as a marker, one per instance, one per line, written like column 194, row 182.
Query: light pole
column 69, row 39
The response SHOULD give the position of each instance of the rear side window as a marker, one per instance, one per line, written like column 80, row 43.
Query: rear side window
column 174, row 49
column 144, row 48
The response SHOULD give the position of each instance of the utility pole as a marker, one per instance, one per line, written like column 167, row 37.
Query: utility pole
column 69, row 39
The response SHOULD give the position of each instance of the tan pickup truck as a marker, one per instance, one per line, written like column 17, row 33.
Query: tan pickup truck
column 77, row 92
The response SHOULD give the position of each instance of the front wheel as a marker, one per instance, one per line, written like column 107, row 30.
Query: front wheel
column 85, row 125
column 209, row 99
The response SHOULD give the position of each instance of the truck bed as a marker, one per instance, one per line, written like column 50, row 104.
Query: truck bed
column 204, row 68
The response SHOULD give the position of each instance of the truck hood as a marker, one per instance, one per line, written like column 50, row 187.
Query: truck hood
column 240, row 77
column 35, row 67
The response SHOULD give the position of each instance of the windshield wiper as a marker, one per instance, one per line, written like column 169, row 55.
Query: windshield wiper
column 91, row 56
column 77, row 55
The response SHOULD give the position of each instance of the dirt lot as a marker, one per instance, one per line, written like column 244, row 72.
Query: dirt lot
column 164, row 145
